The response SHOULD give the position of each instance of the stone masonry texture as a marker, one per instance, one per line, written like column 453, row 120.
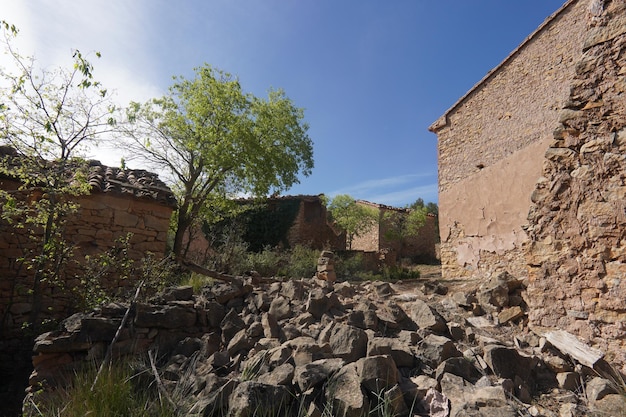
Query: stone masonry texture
column 532, row 176
column 577, row 223
column 491, row 144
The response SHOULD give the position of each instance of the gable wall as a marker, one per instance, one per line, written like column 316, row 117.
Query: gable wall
column 491, row 146
column 421, row 248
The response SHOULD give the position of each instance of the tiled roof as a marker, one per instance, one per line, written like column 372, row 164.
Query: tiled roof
column 137, row 182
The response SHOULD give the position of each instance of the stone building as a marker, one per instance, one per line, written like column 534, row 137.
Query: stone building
column 491, row 144
column 577, row 222
column 532, row 174
column 121, row 202
column 420, row 248
column 278, row 221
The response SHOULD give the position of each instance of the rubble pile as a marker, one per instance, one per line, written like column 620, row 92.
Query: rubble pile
column 317, row 348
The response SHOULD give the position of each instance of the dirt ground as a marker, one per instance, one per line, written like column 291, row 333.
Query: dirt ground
column 429, row 271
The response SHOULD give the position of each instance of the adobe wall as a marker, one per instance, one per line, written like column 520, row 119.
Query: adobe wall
column 577, row 251
column 490, row 147
column 103, row 219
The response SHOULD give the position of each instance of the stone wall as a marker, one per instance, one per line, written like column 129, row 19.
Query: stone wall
column 121, row 202
column 491, row 143
column 421, row 248
column 311, row 228
column 285, row 221
column 578, row 219
column 103, row 218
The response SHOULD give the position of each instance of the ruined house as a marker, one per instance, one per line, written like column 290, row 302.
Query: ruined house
column 121, row 201
column 274, row 222
column 419, row 248
column 532, row 174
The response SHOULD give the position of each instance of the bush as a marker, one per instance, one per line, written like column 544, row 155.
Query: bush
column 349, row 265
column 302, row 262
column 395, row 273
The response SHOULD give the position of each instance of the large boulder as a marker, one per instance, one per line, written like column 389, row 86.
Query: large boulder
column 348, row 343
column 377, row 373
column 345, row 393
column 254, row 398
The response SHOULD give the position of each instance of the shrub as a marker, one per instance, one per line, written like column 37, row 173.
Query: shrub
column 302, row 262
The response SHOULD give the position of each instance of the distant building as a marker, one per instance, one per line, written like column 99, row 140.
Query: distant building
column 419, row 248
column 283, row 222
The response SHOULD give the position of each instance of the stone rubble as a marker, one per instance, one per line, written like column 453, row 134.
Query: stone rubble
column 403, row 349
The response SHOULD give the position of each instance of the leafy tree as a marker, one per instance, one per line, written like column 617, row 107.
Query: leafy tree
column 403, row 224
column 352, row 217
column 215, row 141
column 406, row 223
column 431, row 208
column 47, row 118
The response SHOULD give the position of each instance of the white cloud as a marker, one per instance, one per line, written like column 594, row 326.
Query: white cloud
column 426, row 192
column 399, row 190
column 118, row 29
column 367, row 186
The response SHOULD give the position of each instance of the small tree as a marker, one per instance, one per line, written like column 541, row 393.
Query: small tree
column 404, row 224
column 217, row 142
column 352, row 217
column 47, row 117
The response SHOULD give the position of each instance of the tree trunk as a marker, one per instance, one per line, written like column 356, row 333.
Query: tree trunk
column 182, row 224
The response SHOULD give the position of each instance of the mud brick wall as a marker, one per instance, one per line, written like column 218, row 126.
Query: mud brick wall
column 577, row 251
column 311, row 228
column 103, row 218
column 491, row 144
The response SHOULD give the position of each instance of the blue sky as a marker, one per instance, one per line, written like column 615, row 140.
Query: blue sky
column 372, row 75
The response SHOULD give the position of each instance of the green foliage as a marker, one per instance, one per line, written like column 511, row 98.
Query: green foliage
column 354, row 218
column 117, row 393
column 267, row 263
column 48, row 117
column 121, row 272
column 268, row 226
column 302, row 263
column 395, row 273
column 403, row 224
column 197, row 282
column 349, row 265
column 216, row 141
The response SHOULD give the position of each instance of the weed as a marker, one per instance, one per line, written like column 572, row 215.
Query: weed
column 198, row 282
column 253, row 367
column 115, row 394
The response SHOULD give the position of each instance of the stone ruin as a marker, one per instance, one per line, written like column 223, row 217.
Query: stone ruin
column 577, row 223
column 311, row 347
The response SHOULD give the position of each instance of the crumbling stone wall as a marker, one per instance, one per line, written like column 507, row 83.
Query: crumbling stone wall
column 577, row 252
column 118, row 205
column 311, row 228
column 491, row 143
column 103, row 218
column 421, row 248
